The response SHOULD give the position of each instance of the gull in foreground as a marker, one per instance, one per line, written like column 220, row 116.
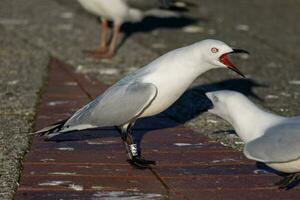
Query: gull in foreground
column 118, row 11
column 269, row 138
column 146, row 92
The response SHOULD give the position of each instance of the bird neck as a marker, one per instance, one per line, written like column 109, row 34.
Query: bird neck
column 251, row 122
column 187, row 62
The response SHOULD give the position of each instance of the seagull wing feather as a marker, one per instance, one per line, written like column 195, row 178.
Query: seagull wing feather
column 279, row 144
column 120, row 104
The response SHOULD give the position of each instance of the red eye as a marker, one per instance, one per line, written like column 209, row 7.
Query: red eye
column 214, row 50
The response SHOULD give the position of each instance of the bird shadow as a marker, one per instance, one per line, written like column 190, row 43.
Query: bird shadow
column 86, row 134
column 151, row 23
column 194, row 101
column 190, row 105
column 267, row 169
column 142, row 127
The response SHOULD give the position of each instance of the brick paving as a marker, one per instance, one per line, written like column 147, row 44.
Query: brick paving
column 92, row 165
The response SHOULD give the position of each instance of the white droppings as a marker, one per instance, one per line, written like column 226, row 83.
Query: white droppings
column 108, row 71
column 76, row 187
column 120, row 170
column 133, row 189
column 270, row 96
column 283, row 109
column 54, row 183
column 244, row 56
column 14, row 82
column 224, row 144
column 86, row 167
column 193, row 29
column 62, row 173
column 294, row 82
column 110, row 157
column 182, row 144
column 54, row 103
column 79, row 68
column 47, row 159
column 66, row 148
column 121, row 195
column 223, row 160
column 212, row 121
column 98, row 187
column 187, row 144
column 242, row 27
column 180, row 4
column 260, row 171
column 239, row 142
column 67, row 15
column 71, row 83
column 102, row 142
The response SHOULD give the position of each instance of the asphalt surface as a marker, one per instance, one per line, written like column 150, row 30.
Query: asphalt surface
column 32, row 32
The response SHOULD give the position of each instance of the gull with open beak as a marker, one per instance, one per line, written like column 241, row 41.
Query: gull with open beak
column 269, row 138
column 146, row 92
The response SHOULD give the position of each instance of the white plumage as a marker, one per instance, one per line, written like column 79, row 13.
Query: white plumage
column 269, row 138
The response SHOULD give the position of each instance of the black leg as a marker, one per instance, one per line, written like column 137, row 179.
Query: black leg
column 289, row 181
column 133, row 152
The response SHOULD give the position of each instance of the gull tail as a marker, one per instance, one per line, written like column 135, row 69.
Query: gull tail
column 50, row 130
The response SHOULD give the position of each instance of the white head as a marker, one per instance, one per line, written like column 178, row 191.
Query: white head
column 215, row 52
column 225, row 102
column 248, row 120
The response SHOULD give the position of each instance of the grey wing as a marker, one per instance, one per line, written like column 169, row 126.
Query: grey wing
column 279, row 144
column 149, row 4
column 119, row 105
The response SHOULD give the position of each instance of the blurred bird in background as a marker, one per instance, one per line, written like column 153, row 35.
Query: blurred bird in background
column 120, row 11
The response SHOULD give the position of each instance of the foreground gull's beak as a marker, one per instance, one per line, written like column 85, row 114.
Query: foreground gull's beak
column 224, row 59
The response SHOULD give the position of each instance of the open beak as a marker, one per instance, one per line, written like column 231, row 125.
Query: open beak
column 225, row 60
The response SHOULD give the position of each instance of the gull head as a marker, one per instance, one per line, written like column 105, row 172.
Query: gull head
column 216, row 52
column 224, row 101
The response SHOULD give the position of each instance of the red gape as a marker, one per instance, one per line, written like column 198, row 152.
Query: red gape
column 224, row 59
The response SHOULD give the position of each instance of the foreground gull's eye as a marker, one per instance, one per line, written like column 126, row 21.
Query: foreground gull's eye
column 214, row 50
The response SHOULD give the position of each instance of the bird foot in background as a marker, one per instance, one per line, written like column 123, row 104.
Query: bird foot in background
column 96, row 53
column 106, row 55
column 288, row 182
column 140, row 163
